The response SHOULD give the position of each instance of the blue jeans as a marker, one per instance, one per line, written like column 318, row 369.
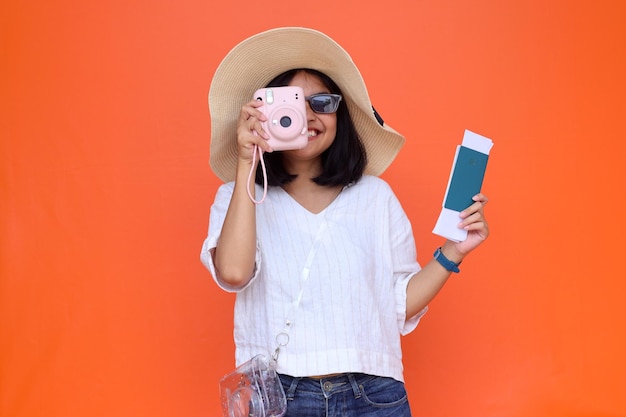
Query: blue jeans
column 346, row 395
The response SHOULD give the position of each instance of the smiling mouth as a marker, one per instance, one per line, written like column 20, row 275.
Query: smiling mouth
column 313, row 133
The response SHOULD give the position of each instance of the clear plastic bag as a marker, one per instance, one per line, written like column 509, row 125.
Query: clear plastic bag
column 253, row 390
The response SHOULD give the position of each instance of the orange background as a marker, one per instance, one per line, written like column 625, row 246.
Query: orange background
column 105, row 189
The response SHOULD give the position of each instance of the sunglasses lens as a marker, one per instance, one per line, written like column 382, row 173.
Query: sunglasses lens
column 324, row 103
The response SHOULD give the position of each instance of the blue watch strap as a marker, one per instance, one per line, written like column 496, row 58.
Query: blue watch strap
column 445, row 262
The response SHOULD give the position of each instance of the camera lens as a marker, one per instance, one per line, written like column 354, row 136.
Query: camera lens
column 285, row 121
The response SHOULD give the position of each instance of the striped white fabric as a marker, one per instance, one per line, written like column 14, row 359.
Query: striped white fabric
column 352, row 311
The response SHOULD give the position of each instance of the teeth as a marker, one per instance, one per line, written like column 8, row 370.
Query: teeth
column 312, row 133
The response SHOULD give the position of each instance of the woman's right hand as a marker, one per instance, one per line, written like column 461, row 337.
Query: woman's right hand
column 250, row 132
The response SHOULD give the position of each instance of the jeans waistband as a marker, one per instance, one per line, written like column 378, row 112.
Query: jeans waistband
column 327, row 386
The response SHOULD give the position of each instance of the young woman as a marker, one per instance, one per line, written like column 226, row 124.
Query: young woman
column 325, row 268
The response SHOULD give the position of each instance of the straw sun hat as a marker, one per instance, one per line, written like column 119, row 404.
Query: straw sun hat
column 254, row 62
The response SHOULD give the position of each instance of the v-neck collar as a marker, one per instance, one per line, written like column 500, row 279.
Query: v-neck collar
column 309, row 212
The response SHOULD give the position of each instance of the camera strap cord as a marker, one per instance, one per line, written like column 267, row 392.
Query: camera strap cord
column 262, row 161
column 282, row 338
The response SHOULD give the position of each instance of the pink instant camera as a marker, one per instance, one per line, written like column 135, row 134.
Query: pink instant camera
column 285, row 108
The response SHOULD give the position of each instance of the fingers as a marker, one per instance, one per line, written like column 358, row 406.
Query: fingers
column 480, row 200
column 473, row 217
column 475, row 221
column 250, row 130
column 251, row 109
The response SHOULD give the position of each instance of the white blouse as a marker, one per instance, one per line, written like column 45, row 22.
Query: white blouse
column 347, row 310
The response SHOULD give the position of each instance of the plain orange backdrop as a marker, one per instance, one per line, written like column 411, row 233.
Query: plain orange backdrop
column 105, row 190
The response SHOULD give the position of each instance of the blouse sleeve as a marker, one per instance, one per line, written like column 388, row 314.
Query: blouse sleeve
column 216, row 221
column 404, row 260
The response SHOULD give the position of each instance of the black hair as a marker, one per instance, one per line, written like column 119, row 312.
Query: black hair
column 344, row 161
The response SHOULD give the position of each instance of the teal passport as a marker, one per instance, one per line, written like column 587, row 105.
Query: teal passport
column 466, row 179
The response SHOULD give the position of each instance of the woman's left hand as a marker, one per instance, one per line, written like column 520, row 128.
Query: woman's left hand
column 473, row 220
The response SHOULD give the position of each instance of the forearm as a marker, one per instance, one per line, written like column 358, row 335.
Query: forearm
column 234, row 256
column 426, row 284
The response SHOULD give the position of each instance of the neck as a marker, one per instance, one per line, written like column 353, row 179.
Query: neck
column 310, row 195
column 304, row 169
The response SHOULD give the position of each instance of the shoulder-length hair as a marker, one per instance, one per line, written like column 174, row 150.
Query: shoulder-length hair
column 343, row 163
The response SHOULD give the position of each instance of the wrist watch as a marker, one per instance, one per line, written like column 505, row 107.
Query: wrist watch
column 445, row 262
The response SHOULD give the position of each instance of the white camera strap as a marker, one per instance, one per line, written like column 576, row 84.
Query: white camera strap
column 282, row 338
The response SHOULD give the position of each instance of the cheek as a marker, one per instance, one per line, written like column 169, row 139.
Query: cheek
column 331, row 125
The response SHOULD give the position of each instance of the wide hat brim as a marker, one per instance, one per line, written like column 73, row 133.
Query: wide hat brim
column 254, row 62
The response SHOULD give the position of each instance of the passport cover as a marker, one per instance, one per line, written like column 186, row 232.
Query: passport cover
column 466, row 179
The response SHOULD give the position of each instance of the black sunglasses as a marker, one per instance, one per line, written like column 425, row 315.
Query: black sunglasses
column 324, row 103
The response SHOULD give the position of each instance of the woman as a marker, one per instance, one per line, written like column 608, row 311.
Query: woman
column 325, row 268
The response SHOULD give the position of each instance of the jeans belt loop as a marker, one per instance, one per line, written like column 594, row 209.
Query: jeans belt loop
column 355, row 386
